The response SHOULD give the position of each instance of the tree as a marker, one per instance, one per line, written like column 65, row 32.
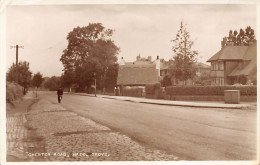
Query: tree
column 110, row 78
column 53, row 83
column 37, row 81
column 20, row 74
column 244, row 37
column 184, row 57
column 90, row 52
column 166, row 81
column 67, row 79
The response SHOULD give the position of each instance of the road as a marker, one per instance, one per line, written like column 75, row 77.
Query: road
column 189, row 133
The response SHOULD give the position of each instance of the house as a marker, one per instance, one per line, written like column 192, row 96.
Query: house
column 232, row 62
column 145, row 71
column 202, row 69
column 202, row 74
column 138, row 73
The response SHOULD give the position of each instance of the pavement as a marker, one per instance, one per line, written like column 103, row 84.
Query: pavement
column 176, row 103
column 40, row 131
column 16, row 131
column 82, row 139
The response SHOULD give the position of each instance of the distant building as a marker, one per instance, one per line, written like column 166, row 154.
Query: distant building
column 138, row 73
column 145, row 71
column 231, row 62
column 202, row 72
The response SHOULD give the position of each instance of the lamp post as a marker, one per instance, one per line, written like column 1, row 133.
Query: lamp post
column 95, row 85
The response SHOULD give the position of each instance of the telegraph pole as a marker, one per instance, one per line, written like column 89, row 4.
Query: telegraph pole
column 17, row 47
column 95, row 85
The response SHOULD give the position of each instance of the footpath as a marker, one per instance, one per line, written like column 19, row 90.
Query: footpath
column 16, row 131
column 49, row 132
column 175, row 103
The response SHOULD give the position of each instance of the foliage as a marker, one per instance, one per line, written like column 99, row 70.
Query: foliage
column 184, row 58
column 67, row 79
column 89, row 55
column 242, row 79
column 150, row 88
column 20, row 74
column 13, row 91
column 37, row 80
column 202, row 78
column 166, row 81
column 110, row 78
column 53, row 83
column 244, row 37
column 209, row 90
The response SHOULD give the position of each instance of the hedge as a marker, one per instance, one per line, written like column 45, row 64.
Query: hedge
column 209, row 90
column 13, row 91
column 133, row 91
column 150, row 88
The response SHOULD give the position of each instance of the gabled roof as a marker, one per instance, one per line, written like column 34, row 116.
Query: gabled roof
column 230, row 53
column 137, row 74
column 248, row 70
column 251, row 67
column 201, row 65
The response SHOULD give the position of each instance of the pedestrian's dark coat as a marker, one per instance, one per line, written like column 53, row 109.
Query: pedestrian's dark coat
column 60, row 91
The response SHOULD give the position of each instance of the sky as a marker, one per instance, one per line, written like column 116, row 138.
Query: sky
column 139, row 29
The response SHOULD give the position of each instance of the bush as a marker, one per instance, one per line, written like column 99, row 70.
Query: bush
column 150, row 88
column 13, row 91
column 209, row 90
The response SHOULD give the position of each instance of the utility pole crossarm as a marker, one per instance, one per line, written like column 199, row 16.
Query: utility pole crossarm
column 17, row 47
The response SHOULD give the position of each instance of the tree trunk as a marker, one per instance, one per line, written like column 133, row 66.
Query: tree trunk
column 36, row 91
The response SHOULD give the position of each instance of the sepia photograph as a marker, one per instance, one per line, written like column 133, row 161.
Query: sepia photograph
column 119, row 82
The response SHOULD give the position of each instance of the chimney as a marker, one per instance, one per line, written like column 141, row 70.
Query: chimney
column 138, row 58
column 149, row 58
column 122, row 62
column 157, row 64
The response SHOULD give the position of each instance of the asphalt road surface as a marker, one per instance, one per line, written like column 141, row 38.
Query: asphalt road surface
column 189, row 133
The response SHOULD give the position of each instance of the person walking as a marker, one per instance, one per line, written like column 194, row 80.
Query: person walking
column 59, row 93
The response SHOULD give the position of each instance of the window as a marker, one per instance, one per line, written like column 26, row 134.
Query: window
column 221, row 65
column 219, row 81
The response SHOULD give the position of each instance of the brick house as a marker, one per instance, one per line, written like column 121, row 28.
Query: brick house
column 231, row 62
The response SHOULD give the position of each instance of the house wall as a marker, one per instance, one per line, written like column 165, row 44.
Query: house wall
column 217, row 73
